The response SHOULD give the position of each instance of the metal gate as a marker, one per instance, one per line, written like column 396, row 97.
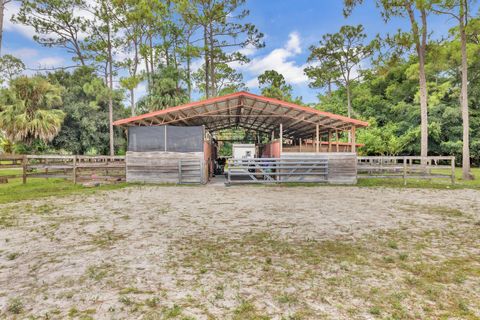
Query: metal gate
column 276, row 170
column 190, row 171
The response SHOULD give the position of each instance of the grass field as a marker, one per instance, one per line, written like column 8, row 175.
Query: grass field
column 38, row 188
column 443, row 183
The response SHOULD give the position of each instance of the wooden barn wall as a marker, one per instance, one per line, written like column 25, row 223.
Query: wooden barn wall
column 156, row 166
column 342, row 166
column 271, row 150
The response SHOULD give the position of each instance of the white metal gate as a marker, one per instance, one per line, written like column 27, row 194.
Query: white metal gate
column 276, row 170
column 190, row 171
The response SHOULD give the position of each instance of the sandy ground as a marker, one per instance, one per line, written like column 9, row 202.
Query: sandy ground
column 242, row 253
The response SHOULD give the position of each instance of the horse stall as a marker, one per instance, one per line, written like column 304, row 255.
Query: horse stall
column 167, row 154
column 292, row 143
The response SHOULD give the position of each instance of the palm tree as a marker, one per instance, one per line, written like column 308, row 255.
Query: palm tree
column 27, row 110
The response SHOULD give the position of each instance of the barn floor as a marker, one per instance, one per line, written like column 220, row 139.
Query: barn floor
column 249, row 252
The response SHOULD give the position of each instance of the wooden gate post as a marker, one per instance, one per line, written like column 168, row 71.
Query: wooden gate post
column 452, row 159
column 74, row 169
column 24, row 167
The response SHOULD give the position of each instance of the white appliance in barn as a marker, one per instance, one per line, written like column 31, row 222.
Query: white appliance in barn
column 243, row 151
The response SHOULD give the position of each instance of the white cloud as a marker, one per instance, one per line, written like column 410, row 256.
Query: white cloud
column 293, row 44
column 248, row 50
column 24, row 54
column 11, row 9
column 280, row 60
column 140, row 91
column 51, row 62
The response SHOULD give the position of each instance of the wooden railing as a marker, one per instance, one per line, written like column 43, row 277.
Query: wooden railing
column 406, row 167
column 76, row 168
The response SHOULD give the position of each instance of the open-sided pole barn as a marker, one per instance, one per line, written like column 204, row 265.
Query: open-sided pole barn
column 175, row 144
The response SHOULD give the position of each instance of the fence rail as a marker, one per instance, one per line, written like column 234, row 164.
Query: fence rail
column 406, row 167
column 76, row 168
column 275, row 170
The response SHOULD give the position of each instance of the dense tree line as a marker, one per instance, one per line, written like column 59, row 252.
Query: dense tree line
column 418, row 92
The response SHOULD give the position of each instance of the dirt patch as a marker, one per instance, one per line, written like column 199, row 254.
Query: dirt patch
column 243, row 253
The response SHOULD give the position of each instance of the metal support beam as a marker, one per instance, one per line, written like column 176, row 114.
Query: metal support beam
column 317, row 137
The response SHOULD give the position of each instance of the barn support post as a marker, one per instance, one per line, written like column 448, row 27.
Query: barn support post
column 165, row 137
column 300, row 144
column 329, row 140
column 336, row 139
column 281, row 138
column 353, row 143
column 317, row 138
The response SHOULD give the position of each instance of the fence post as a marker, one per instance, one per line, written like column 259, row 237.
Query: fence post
column 24, row 167
column 180, row 171
column 229, row 163
column 74, row 169
column 452, row 160
column 404, row 171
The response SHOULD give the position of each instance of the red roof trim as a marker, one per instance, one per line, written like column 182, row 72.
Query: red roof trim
column 236, row 95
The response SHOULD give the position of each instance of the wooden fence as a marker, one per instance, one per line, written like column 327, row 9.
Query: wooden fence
column 406, row 167
column 76, row 168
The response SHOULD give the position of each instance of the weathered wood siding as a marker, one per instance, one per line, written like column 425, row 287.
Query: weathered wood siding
column 342, row 166
column 157, row 166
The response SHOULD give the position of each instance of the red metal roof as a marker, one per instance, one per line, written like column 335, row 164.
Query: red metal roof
column 247, row 110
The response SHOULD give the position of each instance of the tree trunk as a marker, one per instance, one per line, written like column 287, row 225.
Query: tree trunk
column 466, row 174
column 423, row 88
column 349, row 101
column 420, row 40
column 212, row 63
column 423, row 107
column 2, row 9
column 207, row 66
column 132, row 101
column 152, row 66
column 149, row 82
column 189, row 80
column 110, row 95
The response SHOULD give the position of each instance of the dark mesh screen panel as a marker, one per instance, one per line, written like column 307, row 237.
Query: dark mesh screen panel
column 142, row 139
column 184, row 139
column 179, row 139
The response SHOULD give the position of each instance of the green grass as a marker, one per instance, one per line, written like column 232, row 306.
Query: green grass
column 435, row 183
column 11, row 172
column 36, row 188
column 14, row 190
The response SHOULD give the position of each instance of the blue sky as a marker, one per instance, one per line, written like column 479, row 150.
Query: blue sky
column 290, row 27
